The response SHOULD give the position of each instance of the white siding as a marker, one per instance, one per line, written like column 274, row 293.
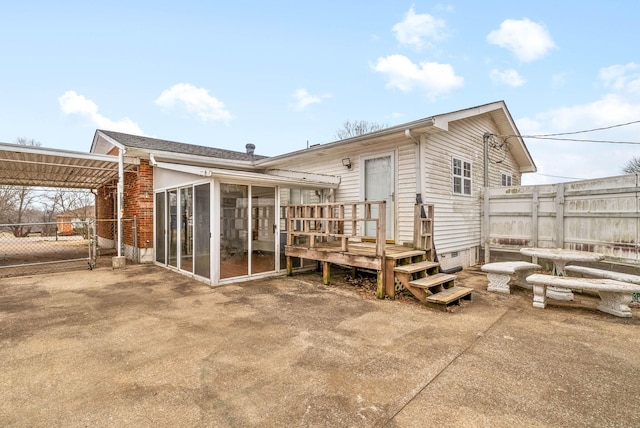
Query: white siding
column 457, row 225
column 457, row 217
column 406, row 193
column 350, row 189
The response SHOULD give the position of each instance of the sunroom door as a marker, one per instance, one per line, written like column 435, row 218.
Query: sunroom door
column 263, row 229
column 247, row 230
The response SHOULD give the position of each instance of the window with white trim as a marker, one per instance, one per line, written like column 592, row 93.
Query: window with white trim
column 461, row 177
column 506, row 179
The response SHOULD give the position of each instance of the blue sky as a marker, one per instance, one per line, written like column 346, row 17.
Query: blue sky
column 285, row 74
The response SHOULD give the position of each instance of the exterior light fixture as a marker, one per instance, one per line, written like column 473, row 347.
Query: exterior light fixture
column 346, row 162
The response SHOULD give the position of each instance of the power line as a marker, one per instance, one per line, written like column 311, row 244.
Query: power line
column 580, row 132
column 560, row 176
column 538, row 137
column 553, row 136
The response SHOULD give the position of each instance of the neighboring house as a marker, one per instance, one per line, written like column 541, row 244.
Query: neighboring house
column 68, row 221
column 217, row 214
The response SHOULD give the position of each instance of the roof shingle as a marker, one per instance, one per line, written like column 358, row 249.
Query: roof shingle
column 147, row 143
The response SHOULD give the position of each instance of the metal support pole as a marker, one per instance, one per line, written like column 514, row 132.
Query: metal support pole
column 485, row 143
column 136, row 248
column 95, row 240
column 120, row 196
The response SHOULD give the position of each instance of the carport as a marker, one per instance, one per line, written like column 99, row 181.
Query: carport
column 45, row 167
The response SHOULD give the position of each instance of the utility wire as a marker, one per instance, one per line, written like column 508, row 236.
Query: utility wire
column 580, row 132
column 553, row 136
column 560, row 176
column 539, row 137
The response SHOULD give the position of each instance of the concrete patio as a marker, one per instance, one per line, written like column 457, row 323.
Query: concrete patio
column 147, row 347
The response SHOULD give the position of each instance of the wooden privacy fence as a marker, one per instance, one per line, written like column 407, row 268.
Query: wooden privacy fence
column 601, row 215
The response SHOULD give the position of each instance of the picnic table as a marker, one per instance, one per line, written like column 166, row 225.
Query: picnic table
column 560, row 257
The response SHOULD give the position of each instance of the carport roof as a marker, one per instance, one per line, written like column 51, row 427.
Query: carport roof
column 43, row 167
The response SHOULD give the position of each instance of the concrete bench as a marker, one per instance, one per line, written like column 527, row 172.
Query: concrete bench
column 602, row 273
column 499, row 274
column 589, row 272
column 615, row 295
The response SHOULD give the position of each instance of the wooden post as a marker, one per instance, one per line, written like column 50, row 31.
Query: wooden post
column 381, row 237
column 326, row 273
column 389, row 278
column 354, row 223
column 289, row 266
column 381, row 242
column 290, row 220
column 380, row 281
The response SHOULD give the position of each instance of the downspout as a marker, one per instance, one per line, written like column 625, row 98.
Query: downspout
column 418, row 156
column 485, row 151
column 120, row 197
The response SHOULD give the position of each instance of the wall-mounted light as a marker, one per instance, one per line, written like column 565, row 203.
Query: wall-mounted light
column 346, row 162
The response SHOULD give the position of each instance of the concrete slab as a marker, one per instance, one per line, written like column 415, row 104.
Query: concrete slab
column 148, row 347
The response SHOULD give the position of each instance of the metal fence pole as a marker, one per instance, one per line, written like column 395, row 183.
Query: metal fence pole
column 136, row 250
column 95, row 240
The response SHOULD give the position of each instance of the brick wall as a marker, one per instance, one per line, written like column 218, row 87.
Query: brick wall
column 137, row 202
column 105, row 209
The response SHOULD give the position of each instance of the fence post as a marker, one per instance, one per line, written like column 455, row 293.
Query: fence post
column 535, row 204
column 560, row 215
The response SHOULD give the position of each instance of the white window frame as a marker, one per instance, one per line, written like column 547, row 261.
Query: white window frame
column 459, row 173
column 506, row 179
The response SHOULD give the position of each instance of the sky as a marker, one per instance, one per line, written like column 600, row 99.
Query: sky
column 287, row 74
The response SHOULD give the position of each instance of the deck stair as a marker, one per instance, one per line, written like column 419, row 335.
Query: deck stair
column 448, row 297
column 434, row 283
column 433, row 288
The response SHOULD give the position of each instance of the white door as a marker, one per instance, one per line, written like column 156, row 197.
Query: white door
column 379, row 185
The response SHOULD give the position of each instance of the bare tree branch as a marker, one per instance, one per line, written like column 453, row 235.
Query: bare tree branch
column 359, row 127
column 632, row 166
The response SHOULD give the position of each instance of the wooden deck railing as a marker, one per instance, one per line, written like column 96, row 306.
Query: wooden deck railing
column 423, row 228
column 321, row 223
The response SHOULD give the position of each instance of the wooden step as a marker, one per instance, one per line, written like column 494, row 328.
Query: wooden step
column 431, row 281
column 416, row 267
column 446, row 298
column 405, row 254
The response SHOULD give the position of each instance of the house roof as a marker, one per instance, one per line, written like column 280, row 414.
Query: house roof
column 497, row 111
column 172, row 151
column 156, row 145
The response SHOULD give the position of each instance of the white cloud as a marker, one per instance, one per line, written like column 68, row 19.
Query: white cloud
column 527, row 40
column 73, row 103
column 196, row 101
column 434, row 78
column 508, row 77
column 303, row 99
column 587, row 159
column 418, row 29
column 619, row 77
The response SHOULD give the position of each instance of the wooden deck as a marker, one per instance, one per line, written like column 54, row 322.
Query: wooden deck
column 332, row 234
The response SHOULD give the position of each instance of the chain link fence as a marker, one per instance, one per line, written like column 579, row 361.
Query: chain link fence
column 30, row 248
column 107, row 237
